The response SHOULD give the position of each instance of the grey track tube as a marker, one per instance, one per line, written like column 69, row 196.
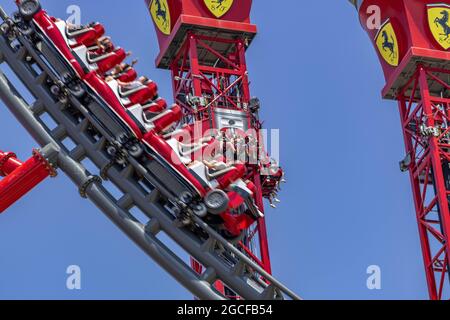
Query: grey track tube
column 241, row 276
column 136, row 231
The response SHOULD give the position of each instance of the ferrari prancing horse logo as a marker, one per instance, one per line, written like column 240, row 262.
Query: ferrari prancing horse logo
column 387, row 44
column 438, row 20
column 159, row 10
column 219, row 7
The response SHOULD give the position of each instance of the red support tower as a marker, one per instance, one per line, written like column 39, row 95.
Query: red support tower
column 413, row 49
column 203, row 43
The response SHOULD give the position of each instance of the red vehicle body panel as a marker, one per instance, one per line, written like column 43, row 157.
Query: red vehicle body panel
column 90, row 38
column 160, row 146
column 146, row 94
column 156, row 106
column 234, row 224
column 116, row 58
column 48, row 27
column 227, row 179
column 128, row 76
column 172, row 117
column 105, row 91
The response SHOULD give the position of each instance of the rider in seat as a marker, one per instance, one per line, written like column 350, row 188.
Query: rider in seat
column 153, row 108
column 101, row 46
column 165, row 120
column 224, row 173
column 105, row 56
column 85, row 35
column 196, row 172
column 271, row 179
column 209, row 151
column 139, row 91
column 124, row 72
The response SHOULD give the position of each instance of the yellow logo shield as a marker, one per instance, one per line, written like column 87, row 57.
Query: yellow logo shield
column 387, row 44
column 219, row 7
column 159, row 10
column 439, row 22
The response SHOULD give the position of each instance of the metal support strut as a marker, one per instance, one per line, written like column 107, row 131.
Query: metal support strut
column 424, row 106
column 222, row 261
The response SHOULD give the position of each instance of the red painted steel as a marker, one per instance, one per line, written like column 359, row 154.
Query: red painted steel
column 420, row 84
column 410, row 21
column 191, row 75
column 207, row 58
column 424, row 118
column 193, row 14
column 8, row 163
column 21, row 178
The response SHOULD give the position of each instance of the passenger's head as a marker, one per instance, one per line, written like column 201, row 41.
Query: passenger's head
column 143, row 79
column 103, row 40
column 106, row 44
column 118, row 68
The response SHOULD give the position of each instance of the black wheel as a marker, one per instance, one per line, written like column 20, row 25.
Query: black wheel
column 121, row 161
column 200, row 210
column 67, row 78
column 63, row 100
column 17, row 18
column 216, row 201
column 77, row 91
column 232, row 238
column 112, row 151
column 122, row 138
column 214, row 221
column 28, row 8
column 27, row 31
column 135, row 150
column 55, row 90
column 5, row 28
column 186, row 197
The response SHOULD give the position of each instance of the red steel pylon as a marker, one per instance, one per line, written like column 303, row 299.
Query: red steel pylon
column 414, row 56
column 425, row 121
column 227, row 85
column 204, row 46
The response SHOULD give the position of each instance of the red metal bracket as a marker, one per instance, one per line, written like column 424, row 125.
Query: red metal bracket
column 21, row 177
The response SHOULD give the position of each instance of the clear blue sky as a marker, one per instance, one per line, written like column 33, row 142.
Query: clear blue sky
column 346, row 205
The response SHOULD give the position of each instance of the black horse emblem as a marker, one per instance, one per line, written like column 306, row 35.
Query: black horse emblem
column 161, row 13
column 389, row 44
column 219, row 3
column 443, row 22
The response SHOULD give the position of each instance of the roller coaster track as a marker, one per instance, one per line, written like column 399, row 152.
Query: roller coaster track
column 221, row 260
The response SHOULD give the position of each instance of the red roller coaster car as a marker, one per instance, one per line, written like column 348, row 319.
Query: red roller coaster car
column 210, row 191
